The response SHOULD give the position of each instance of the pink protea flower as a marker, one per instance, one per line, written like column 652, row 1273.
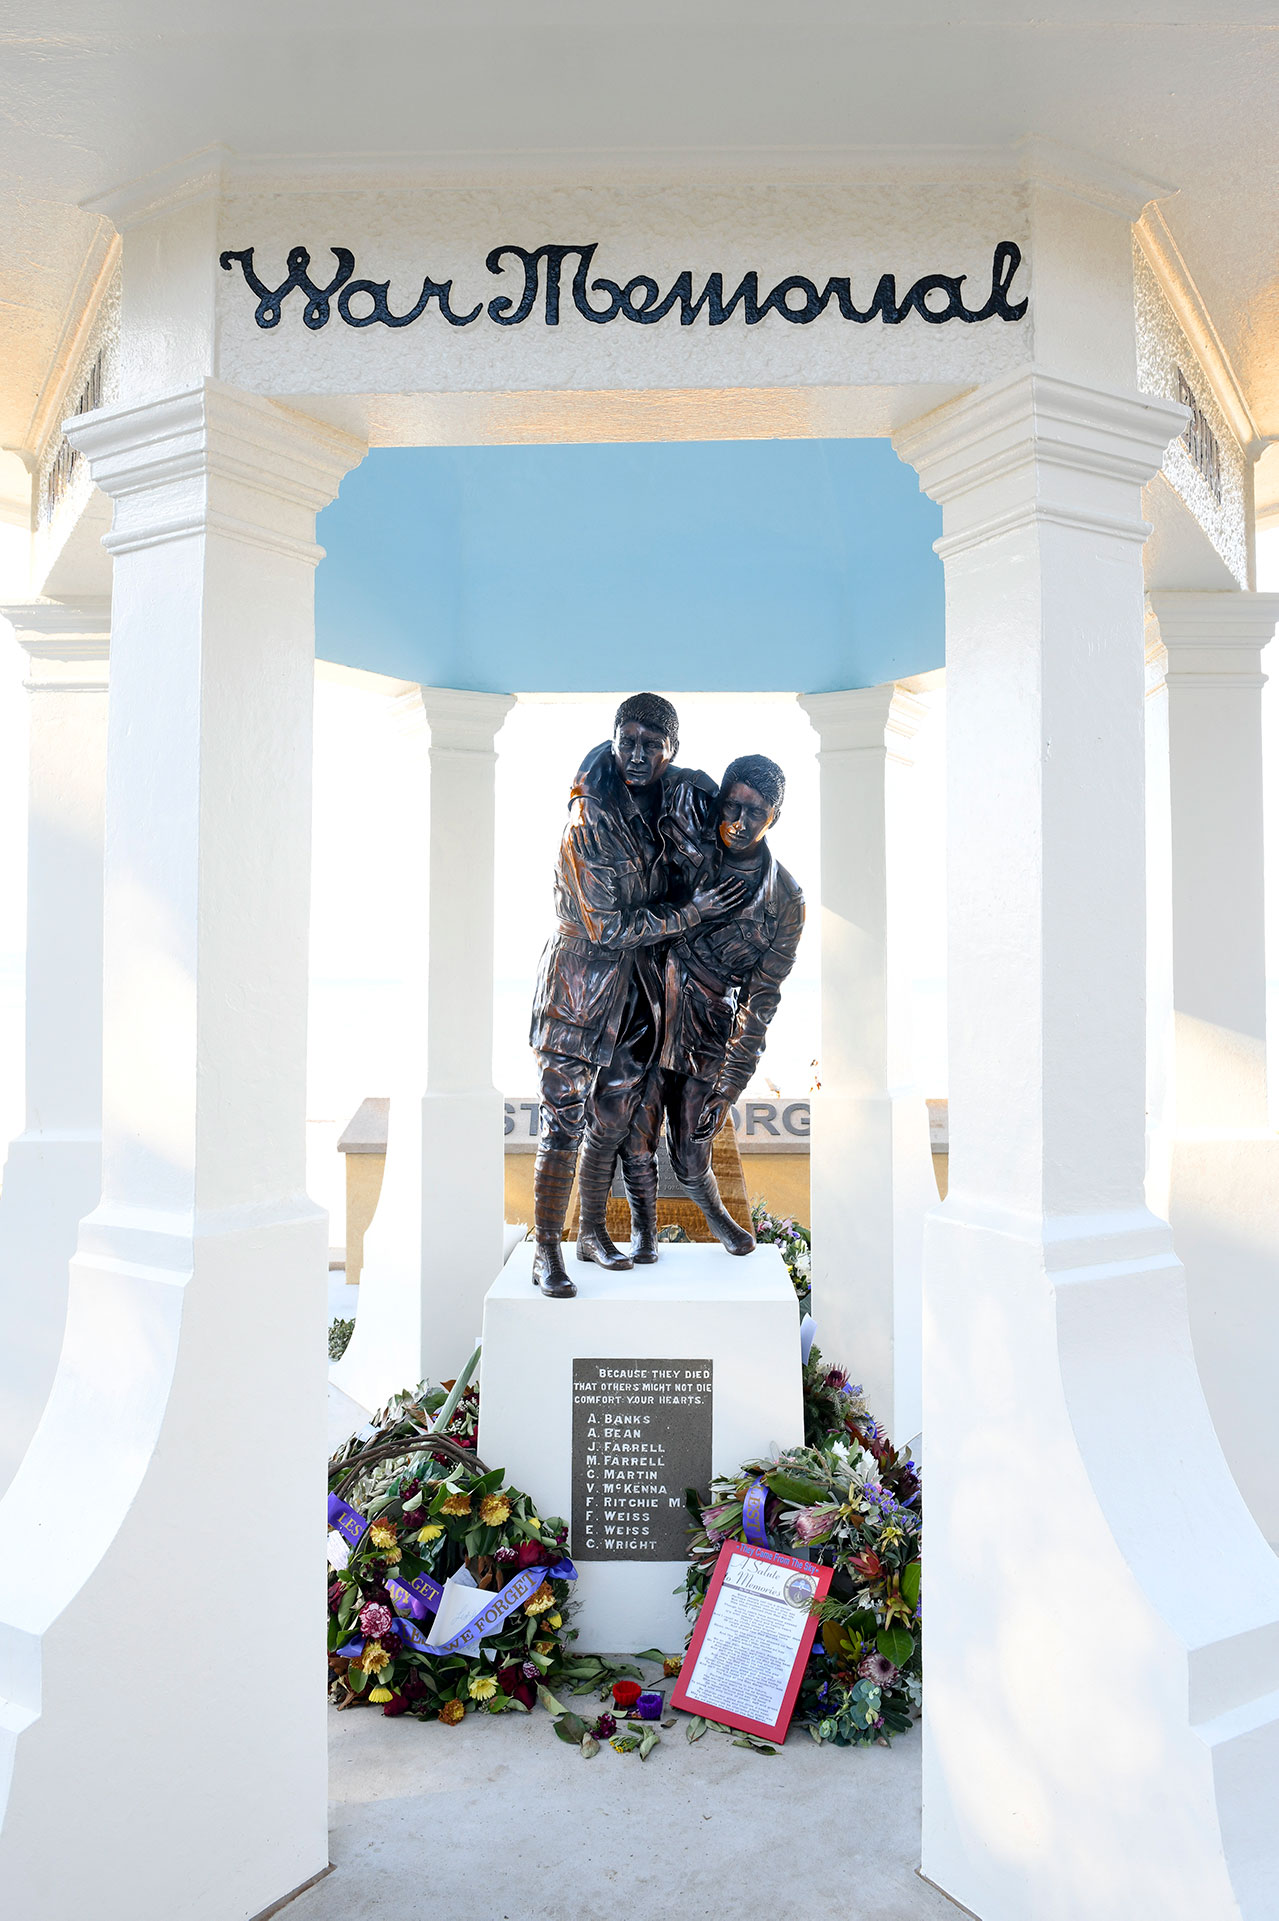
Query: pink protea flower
column 877, row 1668
column 375, row 1620
column 815, row 1523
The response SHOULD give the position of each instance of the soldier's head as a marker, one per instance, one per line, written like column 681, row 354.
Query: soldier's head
column 645, row 738
column 750, row 799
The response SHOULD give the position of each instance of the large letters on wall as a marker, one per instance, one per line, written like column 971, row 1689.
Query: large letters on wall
column 935, row 297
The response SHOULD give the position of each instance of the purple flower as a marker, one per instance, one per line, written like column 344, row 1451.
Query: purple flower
column 505, row 1554
column 877, row 1668
column 531, row 1671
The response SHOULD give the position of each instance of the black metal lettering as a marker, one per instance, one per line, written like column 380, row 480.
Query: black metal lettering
column 640, row 300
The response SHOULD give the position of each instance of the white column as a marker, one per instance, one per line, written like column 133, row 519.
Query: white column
column 53, row 1170
column 1101, row 1715
column 187, row 1418
column 435, row 1243
column 1224, row 1179
column 872, row 1170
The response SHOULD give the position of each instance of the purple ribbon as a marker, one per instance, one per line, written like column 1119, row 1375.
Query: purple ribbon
column 346, row 1521
column 753, row 1513
column 418, row 1597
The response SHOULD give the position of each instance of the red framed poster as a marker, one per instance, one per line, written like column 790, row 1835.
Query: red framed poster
column 752, row 1640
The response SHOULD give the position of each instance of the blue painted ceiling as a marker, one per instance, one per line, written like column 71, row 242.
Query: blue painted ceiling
column 796, row 565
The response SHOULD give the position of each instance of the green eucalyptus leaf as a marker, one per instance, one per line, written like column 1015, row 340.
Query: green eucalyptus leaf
column 590, row 1747
column 549, row 1702
column 789, row 1487
column 648, row 1741
column 695, row 1729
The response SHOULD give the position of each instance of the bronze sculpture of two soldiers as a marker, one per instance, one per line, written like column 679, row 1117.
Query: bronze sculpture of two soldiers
column 676, row 928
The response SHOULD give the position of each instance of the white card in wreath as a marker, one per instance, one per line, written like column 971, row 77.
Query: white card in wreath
column 458, row 1606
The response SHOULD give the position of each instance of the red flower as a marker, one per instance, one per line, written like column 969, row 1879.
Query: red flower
column 868, row 1564
column 626, row 1694
column 516, row 1685
column 336, row 1591
column 396, row 1705
column 532, row 1554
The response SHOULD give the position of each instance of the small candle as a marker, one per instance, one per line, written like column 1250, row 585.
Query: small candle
column 649, row 1707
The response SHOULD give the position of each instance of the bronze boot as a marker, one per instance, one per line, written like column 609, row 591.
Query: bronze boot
column 705, row 1192
column 639, row 1171
column 552, row 1185
column 595, row 1177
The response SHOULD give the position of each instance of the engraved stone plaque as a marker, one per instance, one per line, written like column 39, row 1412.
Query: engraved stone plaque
column 641, row 1435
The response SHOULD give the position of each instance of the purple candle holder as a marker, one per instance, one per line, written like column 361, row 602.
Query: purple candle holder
column 649, row 1707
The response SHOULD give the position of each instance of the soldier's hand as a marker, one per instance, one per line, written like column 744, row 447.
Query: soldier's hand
column 712, row 1118
column 712, row 903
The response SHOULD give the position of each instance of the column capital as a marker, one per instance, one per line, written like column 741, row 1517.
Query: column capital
column 1034, row 448
column 460, row 721
column 214, row 459
column 866, row 719
column 1214, row 639
column 67, row 642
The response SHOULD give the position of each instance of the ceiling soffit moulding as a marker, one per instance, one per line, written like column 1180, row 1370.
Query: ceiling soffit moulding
column 1191, row 310
column 1030, row 160
column 93, row 284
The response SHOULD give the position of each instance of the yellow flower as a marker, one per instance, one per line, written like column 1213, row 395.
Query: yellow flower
column 382, row 1534
column 554, row 1620
column 672, row 1665
column 431, row 1532
column 451, row 1713
column 494, row 1509
column 538, row 1603
column 534, row 1522
column 381, row 1694
column 482, row 1688
column 374, row 1657
column 456, row 1504
column 544, row 1647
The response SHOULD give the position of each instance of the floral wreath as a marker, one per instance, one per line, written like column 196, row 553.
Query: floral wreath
column 851, row 1501
column 431, row 1508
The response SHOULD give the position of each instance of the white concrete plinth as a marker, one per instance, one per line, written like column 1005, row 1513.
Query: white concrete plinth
column 696, row 1303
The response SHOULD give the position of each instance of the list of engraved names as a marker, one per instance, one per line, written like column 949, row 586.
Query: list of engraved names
column 641, row 1435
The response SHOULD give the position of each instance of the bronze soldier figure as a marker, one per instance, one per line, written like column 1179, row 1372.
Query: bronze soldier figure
column 597, row 1007
column 721, row 989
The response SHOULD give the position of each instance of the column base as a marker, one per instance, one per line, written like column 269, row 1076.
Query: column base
column 1224, row 1209
column 189, row 1405
column 1102, row 1710
column 51, row 1181
column 433, row 1247
column 872, row 1184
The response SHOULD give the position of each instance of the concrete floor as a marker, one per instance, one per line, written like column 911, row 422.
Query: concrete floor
column 496, row 1820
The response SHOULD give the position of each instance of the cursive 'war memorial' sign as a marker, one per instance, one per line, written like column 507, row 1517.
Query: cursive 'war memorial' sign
column 543, row 278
